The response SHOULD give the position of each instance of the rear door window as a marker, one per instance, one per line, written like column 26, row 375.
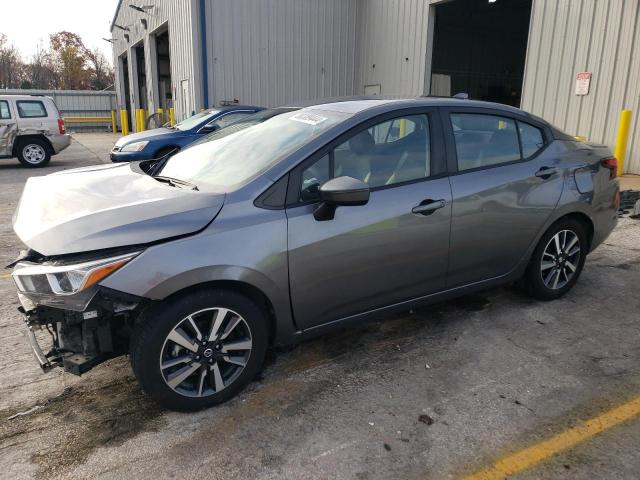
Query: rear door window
column 484, row 140
column 5, row 113
column 31, row 109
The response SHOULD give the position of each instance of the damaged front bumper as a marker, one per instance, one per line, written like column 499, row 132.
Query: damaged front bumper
column 80, row 340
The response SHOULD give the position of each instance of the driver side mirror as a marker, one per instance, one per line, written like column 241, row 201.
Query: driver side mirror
column 340, row 191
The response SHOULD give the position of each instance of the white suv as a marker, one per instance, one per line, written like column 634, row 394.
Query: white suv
column 31, row 129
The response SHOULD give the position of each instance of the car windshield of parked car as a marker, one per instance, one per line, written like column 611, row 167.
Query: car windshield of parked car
column 246, row 122
column 237, row 158
column 195, row 120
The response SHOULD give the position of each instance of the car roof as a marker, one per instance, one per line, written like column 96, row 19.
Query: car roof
column 359, row 104
column 22, row 96
column 236, row 107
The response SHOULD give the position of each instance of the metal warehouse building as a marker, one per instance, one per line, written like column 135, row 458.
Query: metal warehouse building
column 569, row 61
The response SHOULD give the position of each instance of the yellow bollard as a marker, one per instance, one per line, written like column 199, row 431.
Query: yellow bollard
column 403, row 127
column 140, row 118
column 172, row 117
column 124, row 122
column 581, row 138
column 113, row 121
column 622, row 138
column 161, row 116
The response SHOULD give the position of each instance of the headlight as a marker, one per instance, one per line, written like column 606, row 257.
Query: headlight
column 134, row 147
column 66, row 279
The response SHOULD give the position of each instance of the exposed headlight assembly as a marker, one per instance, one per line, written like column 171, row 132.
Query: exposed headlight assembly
column 134, row 147
column 66, row 279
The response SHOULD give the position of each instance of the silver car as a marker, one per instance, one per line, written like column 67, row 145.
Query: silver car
column 311, row 220
column 31, row 129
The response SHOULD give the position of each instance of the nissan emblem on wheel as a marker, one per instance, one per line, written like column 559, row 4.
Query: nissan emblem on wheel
column 302, row 220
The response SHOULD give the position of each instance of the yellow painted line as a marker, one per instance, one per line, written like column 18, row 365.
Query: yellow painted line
column 527, row 458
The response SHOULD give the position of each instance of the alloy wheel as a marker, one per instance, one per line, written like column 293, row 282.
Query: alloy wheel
column 205, row 352
column 560, row 259
column 34, row 153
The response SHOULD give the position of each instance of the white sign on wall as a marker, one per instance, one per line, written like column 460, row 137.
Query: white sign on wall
column 583, row 80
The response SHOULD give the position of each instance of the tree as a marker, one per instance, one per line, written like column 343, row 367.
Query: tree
column 70, row 61
column 63, row 64
column 101, row 73
column 11, row 65
column 41, row 72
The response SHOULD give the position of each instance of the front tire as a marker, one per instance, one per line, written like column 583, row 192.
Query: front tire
column 34, row 153
column 558, row 260
column 200, row 349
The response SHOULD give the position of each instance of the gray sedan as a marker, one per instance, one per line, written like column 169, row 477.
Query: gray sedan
column 314, row 219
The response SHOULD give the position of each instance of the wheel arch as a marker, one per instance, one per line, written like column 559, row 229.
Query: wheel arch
column 585, row 220
column 20, row 139
column 250, row 291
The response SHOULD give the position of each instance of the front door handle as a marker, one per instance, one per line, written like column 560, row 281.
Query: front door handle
column 427, row 207
column 546, row 172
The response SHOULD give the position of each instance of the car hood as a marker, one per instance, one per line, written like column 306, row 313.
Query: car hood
column 148, row 135
column 107, row 206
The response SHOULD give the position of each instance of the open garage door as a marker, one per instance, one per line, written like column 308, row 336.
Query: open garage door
column 479, row 47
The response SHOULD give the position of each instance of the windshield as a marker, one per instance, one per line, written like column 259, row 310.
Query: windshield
column 233, row 159
column 241, row 124
column 189, row 123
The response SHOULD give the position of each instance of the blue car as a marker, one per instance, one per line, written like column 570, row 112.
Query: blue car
column 158, row 142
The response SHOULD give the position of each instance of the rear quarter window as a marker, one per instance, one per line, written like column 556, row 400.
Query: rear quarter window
column 31, row 109
column 531, row 138
column 5, row 113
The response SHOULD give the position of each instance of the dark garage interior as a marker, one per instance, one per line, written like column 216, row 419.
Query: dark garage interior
column 479, row 48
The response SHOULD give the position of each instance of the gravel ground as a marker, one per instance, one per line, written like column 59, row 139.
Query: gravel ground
column 433, row 394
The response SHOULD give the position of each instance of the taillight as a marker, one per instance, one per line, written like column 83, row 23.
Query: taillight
column 61, row 126
column 612, row 164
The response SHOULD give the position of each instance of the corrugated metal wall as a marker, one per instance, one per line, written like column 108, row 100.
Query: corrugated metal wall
column 271, row 52
column 274, row 52
column 76, row 103
column 598, row 36
column 181, row 16
column 392, row 46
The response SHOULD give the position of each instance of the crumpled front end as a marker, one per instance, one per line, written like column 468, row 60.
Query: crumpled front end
column 86, row 322
column 81, row 340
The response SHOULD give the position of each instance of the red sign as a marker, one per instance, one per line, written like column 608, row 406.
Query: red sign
column 583, row 80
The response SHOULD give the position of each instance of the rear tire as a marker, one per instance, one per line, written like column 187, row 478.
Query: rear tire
column 34, row 152
column 558, row 260
column 187, row 358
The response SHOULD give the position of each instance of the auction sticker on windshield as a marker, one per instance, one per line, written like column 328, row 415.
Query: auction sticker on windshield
column 308, row 118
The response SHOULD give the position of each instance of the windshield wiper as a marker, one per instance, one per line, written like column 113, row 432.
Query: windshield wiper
column 176, row 182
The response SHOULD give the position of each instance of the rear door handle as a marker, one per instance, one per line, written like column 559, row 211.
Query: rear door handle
column 546, row 172
column 427, row 207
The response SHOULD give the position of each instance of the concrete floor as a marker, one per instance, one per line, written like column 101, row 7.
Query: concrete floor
column 492, row 373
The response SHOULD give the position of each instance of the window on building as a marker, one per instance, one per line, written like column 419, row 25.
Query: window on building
column 31, row 109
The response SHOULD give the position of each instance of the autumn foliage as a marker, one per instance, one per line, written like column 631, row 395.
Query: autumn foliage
column 65, row 63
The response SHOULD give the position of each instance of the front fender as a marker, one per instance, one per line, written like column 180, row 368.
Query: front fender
column 248, row 246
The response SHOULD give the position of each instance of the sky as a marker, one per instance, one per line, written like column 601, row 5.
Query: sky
column 29, row 22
